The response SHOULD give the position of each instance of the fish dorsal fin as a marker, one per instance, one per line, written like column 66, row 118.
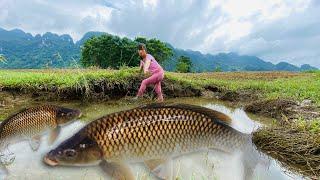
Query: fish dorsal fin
column 213, row 114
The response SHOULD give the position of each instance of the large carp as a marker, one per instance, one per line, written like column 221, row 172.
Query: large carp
column 151, row 134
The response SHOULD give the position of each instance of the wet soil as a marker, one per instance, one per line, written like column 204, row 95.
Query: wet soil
column 284, row 109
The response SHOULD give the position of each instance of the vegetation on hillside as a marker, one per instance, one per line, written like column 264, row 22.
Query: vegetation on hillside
column 2, row 58
column 108, row 51
column 184, row 64
column 23, row 50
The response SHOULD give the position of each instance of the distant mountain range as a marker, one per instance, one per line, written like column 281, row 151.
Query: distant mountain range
column 51, row 50
column 234, row 62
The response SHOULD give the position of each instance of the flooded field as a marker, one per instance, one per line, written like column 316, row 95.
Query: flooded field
column 207, row 164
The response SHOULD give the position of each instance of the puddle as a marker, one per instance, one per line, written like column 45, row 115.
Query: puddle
column 199, row 165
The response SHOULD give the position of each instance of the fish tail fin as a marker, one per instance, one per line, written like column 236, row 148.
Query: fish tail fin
column 251, row 157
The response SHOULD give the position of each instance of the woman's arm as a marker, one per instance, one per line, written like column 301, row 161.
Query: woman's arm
column 146, row 66
column 141, row 66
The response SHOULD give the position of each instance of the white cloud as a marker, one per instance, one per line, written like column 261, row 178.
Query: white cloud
column 150, row 3
column 294, row 39
column 228, row 31
column 276, row 30
column 39, row 16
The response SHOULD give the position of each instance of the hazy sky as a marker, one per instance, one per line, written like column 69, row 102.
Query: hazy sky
column 277, row 30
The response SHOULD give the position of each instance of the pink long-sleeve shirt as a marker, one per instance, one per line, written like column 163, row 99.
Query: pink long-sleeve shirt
column 154, row 65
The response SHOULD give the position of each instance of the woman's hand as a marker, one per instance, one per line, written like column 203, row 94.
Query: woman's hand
column 147, row 74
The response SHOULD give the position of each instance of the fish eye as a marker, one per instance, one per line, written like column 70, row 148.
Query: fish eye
column 69, row 152
column 82, row 145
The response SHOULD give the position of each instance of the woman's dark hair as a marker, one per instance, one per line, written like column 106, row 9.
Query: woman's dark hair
column 142, row 46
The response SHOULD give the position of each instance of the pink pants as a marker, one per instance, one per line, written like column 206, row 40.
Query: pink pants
column 155, row 79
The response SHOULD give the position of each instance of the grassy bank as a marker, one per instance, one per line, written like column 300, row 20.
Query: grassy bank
column 61, row 78
column 271, row 85
column 267, row 85
column 295, row 145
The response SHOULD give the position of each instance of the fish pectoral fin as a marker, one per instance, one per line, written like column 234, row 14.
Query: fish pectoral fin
column 35, row 142
column 159, row 167
column 54, row 134
column 220, row 151
column 117, row 170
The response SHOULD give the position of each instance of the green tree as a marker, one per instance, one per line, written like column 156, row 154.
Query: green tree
column 184, row 64
column 109, row 51
column 159, row 50
column 218, row 69
column 112, row 51
column 3, row 58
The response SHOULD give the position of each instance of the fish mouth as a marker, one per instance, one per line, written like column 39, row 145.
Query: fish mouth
column 50, row 161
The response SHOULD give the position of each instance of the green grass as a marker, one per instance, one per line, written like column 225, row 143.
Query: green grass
column 65, row 78
column 298, row 86
column 309, row 126
column 271, row 85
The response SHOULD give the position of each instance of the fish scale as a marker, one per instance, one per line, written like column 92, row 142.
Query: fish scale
column 37, row 118
column 146, row 133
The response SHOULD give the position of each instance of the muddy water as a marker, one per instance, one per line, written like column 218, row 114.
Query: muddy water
column 199, row 165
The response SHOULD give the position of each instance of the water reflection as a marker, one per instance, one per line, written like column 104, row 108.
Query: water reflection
column 240, row 119
column 199, row 165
